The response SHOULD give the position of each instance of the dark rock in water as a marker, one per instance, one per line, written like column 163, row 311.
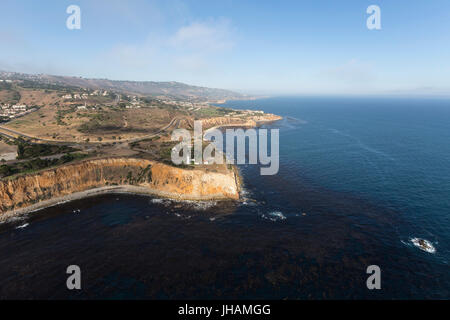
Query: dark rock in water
column 424, row 245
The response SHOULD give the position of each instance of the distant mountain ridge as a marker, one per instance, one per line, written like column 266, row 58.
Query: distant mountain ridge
column 170, row 89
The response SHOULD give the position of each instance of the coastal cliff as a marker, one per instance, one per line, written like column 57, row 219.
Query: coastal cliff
column 249, row 122
column 151, row 177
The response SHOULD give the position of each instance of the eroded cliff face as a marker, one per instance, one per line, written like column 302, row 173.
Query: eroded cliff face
column 239, row 121
column 158, row 178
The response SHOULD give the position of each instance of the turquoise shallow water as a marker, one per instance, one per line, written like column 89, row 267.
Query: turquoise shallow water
column 359, row 178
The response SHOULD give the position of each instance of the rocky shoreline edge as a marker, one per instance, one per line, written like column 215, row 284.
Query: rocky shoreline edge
column 131, row 189
column 12, row 215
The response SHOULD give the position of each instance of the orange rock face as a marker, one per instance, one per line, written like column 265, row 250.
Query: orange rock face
column 237, row 121
column 158, row 178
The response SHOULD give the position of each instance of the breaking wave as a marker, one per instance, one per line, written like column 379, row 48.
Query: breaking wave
column 274, row 216
column 420, row 243
column 189, row 204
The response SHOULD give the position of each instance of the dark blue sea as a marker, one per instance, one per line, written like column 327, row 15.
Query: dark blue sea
column 359, row 179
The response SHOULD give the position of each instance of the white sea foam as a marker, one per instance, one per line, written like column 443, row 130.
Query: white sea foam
column 423, row 245
column 23, row 226
column 181, row 216
column 246, row 199
column 196, row 205
column 274, row 216
column 202, row 205
column 49, row 206
column 244, row 192
column 250, row 203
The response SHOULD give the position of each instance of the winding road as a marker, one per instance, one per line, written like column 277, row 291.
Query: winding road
column 13, row 134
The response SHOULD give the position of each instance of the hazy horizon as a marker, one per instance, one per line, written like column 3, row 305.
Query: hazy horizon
column 266, row 94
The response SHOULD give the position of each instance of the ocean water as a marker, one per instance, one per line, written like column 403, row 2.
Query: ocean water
column 359, row 179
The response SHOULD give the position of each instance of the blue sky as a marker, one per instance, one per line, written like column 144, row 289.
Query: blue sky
column 264, row 47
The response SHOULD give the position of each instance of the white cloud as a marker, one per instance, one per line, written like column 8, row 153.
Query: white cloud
column 193, row 49
column 211, row 36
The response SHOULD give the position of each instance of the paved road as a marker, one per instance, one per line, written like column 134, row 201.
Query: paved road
column 8, row 156
column 50, row 157
column 175, row 122
column 10, row 133
column 13, row 134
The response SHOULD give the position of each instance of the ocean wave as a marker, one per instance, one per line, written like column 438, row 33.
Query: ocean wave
column 244, row 192
column 23, row 226
column 13, row 219
column 190, row 204
column 179, row 215
column 423, row 245
column 420, row 243
column 249, row 203
column 246, row 198
column 274, row 216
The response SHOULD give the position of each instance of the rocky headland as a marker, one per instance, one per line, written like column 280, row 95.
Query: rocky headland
column 33, row 191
